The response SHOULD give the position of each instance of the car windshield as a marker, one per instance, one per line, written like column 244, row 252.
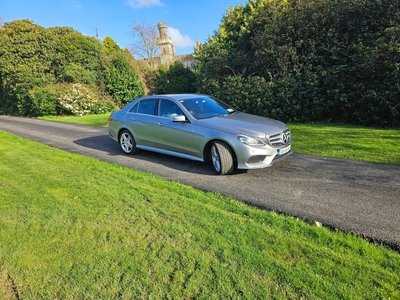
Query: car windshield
column 205, row 107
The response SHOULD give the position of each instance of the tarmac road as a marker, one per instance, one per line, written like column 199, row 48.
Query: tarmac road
column 357, row 197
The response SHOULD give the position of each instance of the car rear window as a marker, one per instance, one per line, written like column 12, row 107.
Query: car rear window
column 146, row 107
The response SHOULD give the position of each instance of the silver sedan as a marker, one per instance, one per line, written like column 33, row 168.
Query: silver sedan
column 202, row 128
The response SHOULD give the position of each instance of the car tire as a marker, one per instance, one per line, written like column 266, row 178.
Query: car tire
column 221, row 157
column 127, row 142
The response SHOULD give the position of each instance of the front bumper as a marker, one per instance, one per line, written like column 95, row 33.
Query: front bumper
column 258, row 157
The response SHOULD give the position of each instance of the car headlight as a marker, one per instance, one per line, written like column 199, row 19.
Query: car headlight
column 250, row 140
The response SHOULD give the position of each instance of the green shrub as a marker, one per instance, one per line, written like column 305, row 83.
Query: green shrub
column 173, row 79
column 80, row 100
column 122, row 81
column 67, row 99
column 327, row 60
column 44, row 100
column 39, row 67
column 74, row 73
column 254, row 95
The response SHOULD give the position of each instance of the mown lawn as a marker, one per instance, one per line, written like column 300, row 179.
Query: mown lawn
column 73, row 227
column 348, row 142
column 93, row 120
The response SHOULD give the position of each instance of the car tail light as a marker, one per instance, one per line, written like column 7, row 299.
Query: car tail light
column 110, row 118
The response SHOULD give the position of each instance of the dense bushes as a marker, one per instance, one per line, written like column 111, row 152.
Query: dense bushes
column 66, row 99
column 172, row 79
column 328, row 60
column 295, row 60
column 59, row 71
column 121, row 80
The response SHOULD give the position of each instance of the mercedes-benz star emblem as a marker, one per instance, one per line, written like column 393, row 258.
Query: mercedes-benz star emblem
column 284, row 138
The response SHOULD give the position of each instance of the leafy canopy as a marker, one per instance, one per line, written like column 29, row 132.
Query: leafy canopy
column 327, row 60
column 40, row 68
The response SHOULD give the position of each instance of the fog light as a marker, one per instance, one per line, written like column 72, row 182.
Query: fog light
column 256, row 159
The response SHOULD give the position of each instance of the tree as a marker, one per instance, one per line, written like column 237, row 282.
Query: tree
column 110, row 45
column 23, row 64
column 121, row 80
column 224, row 54
column 173, row 79
column 144, row 44
column 59, row 70
column 327, row 60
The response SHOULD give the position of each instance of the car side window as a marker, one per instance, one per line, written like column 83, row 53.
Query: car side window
column 147, row 106
column 169, row 109
column 134, row 109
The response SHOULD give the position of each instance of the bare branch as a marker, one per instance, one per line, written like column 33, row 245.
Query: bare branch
column 144, row 44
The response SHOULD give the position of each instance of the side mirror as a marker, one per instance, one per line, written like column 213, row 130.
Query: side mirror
column 180, row 118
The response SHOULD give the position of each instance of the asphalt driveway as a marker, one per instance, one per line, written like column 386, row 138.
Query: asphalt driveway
column 363, row 198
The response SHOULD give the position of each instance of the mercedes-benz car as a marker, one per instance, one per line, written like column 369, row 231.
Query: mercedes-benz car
column 202, row 128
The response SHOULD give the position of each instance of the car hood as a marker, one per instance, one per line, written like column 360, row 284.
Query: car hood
column 244, row 123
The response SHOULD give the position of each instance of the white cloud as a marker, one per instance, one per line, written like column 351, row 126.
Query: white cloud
column 179, row 40
column 144, row 3
column 75, row 3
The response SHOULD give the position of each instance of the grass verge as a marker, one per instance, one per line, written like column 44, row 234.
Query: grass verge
column 348, row 142
column 93, row 120
column 73, row 227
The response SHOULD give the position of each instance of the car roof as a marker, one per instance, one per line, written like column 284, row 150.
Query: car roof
column 179, row 96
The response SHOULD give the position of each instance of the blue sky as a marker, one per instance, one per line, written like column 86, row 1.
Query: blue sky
column 187, row 20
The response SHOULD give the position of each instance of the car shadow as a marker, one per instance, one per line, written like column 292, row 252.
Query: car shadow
column 101, row 142
column 108, row 147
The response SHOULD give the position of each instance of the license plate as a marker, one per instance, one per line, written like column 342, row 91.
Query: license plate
column 284, row 150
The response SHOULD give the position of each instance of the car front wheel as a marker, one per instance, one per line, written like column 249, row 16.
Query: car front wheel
column 127, row 142
column 222, row 159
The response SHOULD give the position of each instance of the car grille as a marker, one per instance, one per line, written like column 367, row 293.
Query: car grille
column 280, row 139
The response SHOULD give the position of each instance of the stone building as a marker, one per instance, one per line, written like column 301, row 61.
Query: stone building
column 164, row 42
column 167, row 49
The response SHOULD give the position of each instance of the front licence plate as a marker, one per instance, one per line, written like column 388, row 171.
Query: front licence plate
column 284, row 150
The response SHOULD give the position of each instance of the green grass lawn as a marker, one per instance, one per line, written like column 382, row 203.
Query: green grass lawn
column 73, row 227
column 94, row 120
column 348, row 142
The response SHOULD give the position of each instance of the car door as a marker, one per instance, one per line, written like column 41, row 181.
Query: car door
column 141, row 121
column 173, row 136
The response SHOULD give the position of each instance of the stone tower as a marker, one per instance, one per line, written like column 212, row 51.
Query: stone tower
column 164, row 42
